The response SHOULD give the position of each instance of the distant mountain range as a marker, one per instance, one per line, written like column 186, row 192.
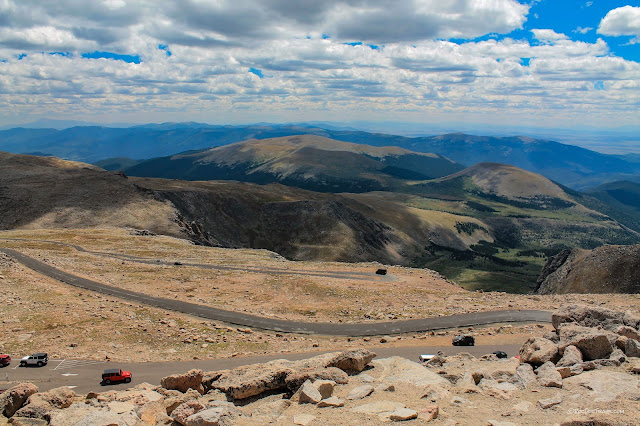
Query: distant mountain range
column 308, row 161
column 575, row 167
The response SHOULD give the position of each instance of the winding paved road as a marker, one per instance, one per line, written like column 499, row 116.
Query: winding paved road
column 246, row 320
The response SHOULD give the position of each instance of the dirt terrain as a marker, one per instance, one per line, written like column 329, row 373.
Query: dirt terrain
column 39, row 313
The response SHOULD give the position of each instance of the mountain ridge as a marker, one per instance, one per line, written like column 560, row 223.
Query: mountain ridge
column 576, row 167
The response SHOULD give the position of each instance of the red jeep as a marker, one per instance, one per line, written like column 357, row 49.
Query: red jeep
column 5, row 360
column 115, row 375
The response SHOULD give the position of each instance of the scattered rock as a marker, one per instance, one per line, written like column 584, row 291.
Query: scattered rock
column 550, row 402
column 331, row 402
column 325, row 387
column 360, row 392
column 429, row 413
column 385, row 387
column 403, row 414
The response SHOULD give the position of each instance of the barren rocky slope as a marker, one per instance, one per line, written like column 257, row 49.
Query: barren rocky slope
column 578, row 376
column 606, row 269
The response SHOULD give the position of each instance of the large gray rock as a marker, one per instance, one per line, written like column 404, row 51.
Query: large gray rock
column 538, row 350
column 549, row 376
column 605, row 386
column 351, row 361
column 14, row 398
column 571, row 356
column 593, row 343
column 396, row 371
column 183, row 382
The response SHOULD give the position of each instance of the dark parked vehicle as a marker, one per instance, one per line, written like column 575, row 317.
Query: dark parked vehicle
column 38, row 359
column 115, row 375
column 381, row 272
column 500, row 354
column 464, row 341
column 5, row 360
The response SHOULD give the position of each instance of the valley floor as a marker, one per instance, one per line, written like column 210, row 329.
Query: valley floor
column 41, row 314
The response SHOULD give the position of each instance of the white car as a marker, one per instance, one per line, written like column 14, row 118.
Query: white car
column 38, row 359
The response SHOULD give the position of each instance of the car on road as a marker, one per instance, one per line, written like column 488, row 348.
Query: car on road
column 464, row 340
column 39, row 359
column 115, row 375
column 381, row 272
column 500, row 354
column 5, row 360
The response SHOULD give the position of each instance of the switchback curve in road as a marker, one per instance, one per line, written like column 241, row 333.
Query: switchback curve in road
column 247, row 320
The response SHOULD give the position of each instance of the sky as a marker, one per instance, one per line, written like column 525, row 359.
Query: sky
column 569, row 64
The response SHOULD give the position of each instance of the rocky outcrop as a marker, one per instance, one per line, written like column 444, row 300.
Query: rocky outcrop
column 13, row 399
column 183, row 382
column 606, row 269
column 248, row 381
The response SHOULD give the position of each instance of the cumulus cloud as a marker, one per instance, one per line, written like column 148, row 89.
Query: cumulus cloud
column 621, row 21
column 198, row 56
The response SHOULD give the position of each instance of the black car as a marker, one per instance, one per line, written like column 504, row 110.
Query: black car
column 464, row 341
column 381, row 272
column 500, row 354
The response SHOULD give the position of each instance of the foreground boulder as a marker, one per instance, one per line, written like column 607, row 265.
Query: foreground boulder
column 538, row 350
column 592, row 343
column 184, row 382
column 41, row 405
column 251, row 380
column 13, row 399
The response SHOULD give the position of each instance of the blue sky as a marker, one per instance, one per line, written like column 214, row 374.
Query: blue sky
column 546, row 63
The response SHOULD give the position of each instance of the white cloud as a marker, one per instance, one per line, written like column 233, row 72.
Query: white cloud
column 548, row 36
column 213, row 45
column 621, row 21
column 583, row 30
